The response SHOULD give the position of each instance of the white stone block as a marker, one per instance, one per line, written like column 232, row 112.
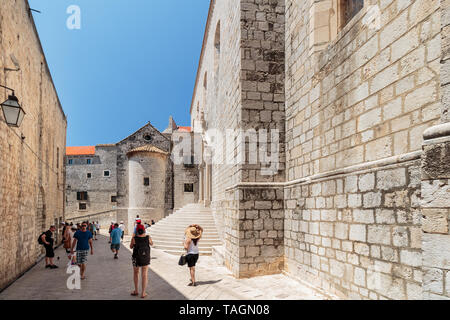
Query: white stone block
column 388, row 179
column 411, row 258
column 363, row 216
column 379, row 234
column 357, row 232
column 436, row 250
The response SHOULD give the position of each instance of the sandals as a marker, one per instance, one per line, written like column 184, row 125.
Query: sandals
column 134, row 293
column 144, row 296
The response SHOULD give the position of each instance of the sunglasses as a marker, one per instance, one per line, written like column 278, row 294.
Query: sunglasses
column 84, row 226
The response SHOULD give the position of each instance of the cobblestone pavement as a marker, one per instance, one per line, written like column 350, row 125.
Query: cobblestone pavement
column 109, row 279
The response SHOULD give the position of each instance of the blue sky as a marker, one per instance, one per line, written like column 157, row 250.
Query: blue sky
column 132, row 61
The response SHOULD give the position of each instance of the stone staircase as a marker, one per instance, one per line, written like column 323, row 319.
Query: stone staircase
column 168, row 233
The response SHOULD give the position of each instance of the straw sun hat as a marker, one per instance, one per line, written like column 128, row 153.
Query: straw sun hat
column 193, row 233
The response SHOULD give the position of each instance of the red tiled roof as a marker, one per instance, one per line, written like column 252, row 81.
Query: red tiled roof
column 80, row 151
column 184, row 129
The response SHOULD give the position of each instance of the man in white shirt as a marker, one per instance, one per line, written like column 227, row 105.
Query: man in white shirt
column 122, row 227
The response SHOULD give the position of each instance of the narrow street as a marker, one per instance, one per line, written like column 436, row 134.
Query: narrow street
column 109, row 279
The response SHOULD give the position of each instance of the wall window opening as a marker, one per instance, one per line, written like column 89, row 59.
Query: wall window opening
column 82, row 196
column 188, row 187
column 348, row 10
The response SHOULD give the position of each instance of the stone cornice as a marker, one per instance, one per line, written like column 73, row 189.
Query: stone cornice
column 351, row 169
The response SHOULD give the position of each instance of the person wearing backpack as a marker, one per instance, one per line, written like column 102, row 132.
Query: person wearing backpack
column 140, row 243
column 46, row 239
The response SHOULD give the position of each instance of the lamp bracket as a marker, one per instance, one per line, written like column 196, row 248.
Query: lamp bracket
column 7, row 88
column 16, row 63
column 9, row 69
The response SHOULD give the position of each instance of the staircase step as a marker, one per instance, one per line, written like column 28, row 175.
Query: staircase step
column 168, row 233
column 180, row 252
column 202, row 243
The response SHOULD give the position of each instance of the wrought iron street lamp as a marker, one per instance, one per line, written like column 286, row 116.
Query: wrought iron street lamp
column 12, row 111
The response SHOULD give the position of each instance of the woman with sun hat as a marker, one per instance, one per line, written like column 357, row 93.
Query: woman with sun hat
column 193, row 234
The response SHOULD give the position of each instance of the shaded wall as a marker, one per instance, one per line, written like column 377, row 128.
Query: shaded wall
column 31, row 168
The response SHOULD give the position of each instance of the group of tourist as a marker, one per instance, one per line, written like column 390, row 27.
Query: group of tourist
column 78, row 242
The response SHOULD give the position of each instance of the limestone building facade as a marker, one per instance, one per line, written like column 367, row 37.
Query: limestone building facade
column 357, row 92
column 32, row 155
column 135, row 176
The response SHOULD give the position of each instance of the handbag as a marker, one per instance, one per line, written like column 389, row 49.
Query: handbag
column 66, row 244
column 182, row 260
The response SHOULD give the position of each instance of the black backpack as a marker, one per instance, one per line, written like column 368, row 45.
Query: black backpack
column 142, row 253
column 40, row 238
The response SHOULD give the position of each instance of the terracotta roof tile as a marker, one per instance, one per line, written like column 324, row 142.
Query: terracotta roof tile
column 80, row 151
column 184, row 129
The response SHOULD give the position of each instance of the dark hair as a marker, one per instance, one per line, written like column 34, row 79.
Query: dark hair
column 116, row 225
column 140, row 231
column 195, row 241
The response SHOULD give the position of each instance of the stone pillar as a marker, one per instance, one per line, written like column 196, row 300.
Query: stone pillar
column 200, row 184
column 445, row 60
column 436, row 184
column 208, row 185
column 436, row 212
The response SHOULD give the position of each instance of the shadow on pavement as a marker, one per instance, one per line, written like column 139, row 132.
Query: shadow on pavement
column 107, row 279
column 202, row 283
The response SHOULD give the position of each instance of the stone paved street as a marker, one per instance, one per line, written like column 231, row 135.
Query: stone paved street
column 112, row 279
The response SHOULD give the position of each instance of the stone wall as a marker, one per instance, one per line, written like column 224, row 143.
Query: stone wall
column 261, row 206
column 216, row 104
column 357, row 233
column 185, row 173
column 240, row 86
column 136, row 140
column 436, row 212
column 103, row 218
column 369, row 95
column 358, row 205
column 147, row 201
column 445, row 60
column 358, row 100
column 31, row 156
column 435, row 185
column 100, row 189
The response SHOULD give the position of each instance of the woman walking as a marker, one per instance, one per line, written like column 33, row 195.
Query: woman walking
column 193, row 235
column 66, row 238
column 140, row 244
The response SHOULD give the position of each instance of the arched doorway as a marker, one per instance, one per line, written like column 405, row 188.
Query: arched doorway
column 39, row 224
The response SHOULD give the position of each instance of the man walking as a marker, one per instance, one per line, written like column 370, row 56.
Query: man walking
column 47, row 241
column 116, row 235
column 82, row 240
column 122, row 227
